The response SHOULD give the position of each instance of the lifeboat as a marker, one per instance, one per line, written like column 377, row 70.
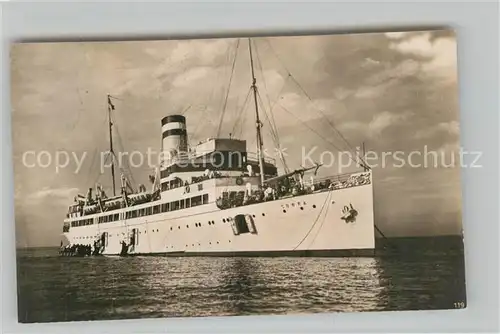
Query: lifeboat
column 111, row 205
column 90, row 209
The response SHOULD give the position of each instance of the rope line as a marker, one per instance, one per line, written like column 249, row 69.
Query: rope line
column 350, row 148
column 315, row 221
column 318, row 134
column 240, row 113
column 228, row 89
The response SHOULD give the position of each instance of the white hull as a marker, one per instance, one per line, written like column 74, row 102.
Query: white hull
column 311, row 223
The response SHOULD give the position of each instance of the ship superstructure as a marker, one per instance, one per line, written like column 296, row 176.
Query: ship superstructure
column 217, row 198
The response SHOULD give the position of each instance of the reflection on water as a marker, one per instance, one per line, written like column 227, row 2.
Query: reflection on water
column 64, row 289
column 273, row 286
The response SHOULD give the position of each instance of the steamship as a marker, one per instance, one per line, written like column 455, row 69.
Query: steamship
column 216, row 198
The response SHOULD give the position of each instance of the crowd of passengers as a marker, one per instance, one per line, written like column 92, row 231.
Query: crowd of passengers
column 352, row 181
column 80, row 250
column 285, row 188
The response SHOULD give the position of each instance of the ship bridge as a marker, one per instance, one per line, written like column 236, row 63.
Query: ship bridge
column 217, row 154
column 223, row 156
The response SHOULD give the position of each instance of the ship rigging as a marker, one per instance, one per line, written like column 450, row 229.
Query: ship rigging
column 126, row 186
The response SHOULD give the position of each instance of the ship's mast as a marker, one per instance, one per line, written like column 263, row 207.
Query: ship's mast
column 260, row 144
column 111, row 107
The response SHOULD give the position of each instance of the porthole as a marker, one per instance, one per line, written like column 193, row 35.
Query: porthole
column 179, row 227
column 284, row 211
column 171, row 228
column 301, row 208
column 187, row 226
column 253, row 216
column 263, row 214
column 314, row 206
column 223, row 220
column 217, row 242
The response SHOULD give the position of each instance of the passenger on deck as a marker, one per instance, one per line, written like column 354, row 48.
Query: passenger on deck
column 269, row 194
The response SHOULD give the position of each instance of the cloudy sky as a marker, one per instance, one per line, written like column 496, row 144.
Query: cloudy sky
column 393, row 91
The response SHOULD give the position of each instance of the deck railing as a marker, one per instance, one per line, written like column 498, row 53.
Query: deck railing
column 330, row 183
column 341, row 181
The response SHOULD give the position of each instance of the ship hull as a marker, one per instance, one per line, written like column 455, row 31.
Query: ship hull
column 367, row 252
column 308, row 225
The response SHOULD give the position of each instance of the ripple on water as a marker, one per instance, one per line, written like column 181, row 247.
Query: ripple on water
column 64, row 289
